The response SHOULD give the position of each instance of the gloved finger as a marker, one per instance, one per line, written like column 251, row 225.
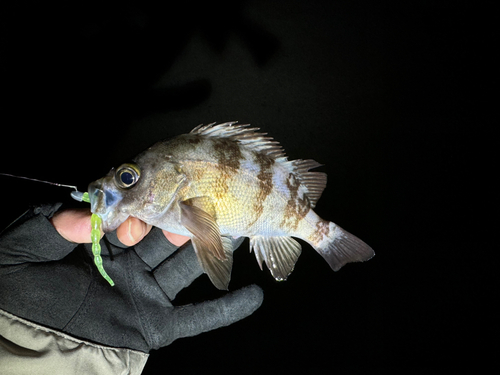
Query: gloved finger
column 155, row 248
column 178, row 271
column 191, row 320
column 181, row 269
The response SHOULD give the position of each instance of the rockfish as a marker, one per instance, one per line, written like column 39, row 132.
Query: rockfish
column 223, row 181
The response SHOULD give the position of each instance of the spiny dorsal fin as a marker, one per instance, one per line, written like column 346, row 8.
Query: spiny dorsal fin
column 313, row 182
column 248, row 137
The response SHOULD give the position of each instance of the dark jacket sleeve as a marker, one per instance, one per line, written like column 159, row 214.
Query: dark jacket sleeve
column 32, row 238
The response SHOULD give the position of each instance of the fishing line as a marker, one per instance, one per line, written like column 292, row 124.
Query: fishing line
column 37, row 180
column 95, row 222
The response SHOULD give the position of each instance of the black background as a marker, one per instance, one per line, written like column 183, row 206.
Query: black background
column 391, row 98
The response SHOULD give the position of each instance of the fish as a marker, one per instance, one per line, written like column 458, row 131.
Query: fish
column 223, row 181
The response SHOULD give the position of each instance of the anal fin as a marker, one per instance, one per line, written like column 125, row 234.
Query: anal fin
column 279, row 253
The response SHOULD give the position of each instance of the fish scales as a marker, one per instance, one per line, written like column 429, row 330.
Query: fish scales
column 227, row 180
column 241, row 184
column 247, row 196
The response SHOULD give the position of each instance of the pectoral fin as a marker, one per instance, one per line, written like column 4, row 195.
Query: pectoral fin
column 279, row 254
column 204, row 228
column 215, row 253
column 219, row 271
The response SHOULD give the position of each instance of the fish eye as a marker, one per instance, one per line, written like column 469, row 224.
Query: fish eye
column 127, row 175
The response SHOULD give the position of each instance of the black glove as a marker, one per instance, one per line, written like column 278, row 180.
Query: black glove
column 53, row 282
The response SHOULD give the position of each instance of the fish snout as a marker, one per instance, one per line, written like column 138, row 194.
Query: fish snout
column 96, row 195
column 103, row 202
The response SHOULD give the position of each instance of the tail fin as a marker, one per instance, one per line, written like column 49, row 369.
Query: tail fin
column 340, row 247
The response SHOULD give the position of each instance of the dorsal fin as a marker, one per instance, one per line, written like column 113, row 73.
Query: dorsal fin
column 245, row 135
column 313, row 182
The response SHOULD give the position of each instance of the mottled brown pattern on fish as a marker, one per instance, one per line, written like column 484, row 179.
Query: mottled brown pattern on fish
column 221, row 186
column 265, row 177
column 198, row 173
column 184, row 141
column 297, row 207
column 228, row 155
column 193, row 140
column 321, row 232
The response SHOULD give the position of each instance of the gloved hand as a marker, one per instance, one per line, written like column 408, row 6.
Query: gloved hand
column 51, row 281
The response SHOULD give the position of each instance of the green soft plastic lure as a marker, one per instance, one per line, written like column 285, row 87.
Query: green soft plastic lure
column 95, row 235
column 95, row 222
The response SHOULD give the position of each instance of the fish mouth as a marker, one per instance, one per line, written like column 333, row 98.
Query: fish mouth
column 104, row 202
column 95, row 195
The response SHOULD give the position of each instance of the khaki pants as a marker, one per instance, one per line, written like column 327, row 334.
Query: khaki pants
column 28, row 348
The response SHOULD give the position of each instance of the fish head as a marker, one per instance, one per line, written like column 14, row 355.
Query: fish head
column 143, row 189
column 106, row 200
